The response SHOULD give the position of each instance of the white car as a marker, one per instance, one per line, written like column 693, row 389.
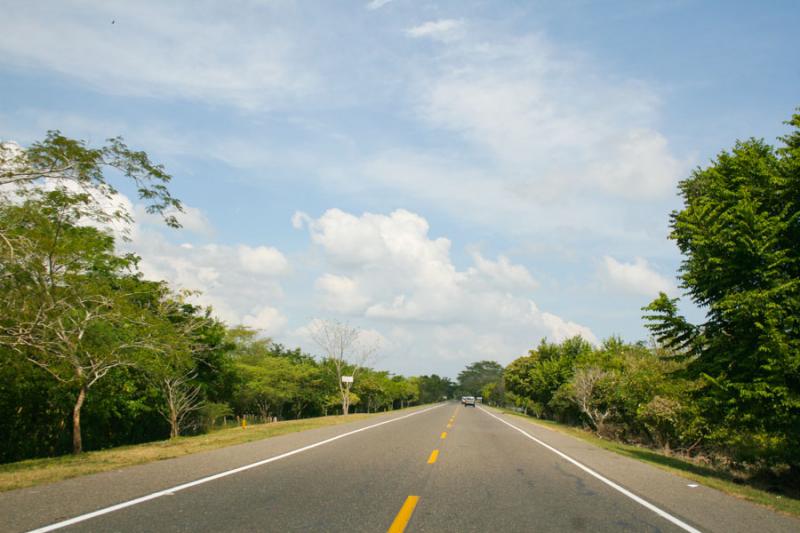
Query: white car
column 468, row 400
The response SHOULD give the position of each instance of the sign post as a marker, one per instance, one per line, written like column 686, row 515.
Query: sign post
column 347, row 379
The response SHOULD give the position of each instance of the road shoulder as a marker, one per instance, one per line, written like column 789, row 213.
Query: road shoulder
column 709, row 508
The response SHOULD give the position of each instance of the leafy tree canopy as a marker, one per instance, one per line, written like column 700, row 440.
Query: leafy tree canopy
column 739, row 233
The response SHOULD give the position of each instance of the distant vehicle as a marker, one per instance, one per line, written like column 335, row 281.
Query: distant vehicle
column 468, row 400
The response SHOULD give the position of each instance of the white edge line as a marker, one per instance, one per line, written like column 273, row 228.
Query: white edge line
column 172, row 490
column 660, row 512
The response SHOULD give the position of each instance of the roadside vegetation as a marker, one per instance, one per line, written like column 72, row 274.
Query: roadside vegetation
column 720, row 398
column 93, row 355
column 48, row 470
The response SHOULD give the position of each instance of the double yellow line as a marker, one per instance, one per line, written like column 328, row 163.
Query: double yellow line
column 404, row 516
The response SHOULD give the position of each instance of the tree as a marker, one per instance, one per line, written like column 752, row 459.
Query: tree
column 345, row 351
column 69, row 164
column 266, row 385
column 739, row 231
column 177, row 326
column 73, row 315
column 534, row 380
column 472, row 379
column 71, row 306
column 434, row 388
column 587, row 392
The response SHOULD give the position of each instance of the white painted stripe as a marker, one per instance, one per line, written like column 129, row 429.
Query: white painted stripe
column 660, row 512
column 172, row 490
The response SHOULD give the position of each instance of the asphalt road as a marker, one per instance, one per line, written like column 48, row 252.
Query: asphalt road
column 446, row 468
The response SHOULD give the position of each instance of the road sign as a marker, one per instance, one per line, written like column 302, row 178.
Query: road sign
column 347, row 379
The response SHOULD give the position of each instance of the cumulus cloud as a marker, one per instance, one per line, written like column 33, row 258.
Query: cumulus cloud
column 502, row 272
column 340, row 294
column 266, row 319
column 262, row 260
column 235, row 280
column 440, row 30
column 637, row 277
column 390, row 271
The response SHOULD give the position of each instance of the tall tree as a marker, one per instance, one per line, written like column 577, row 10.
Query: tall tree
column 346, row 352
column 476, row 376
column 739, row 231
column 71, row 310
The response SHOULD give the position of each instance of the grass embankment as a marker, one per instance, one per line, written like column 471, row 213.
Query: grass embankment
column 39, row 471
column 710, row 477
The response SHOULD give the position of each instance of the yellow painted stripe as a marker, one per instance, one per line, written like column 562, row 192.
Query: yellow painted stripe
column 449, row 426
column 444, row 434
column 433, row 457
column 402, row 518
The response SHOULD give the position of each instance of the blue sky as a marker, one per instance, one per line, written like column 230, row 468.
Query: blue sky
column 458, row 179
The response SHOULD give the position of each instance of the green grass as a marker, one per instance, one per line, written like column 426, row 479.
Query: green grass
column 39, row 471
column 710, row 477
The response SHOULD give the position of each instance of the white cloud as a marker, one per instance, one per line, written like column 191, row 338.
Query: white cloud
column 341, row 294
column 377, row 4
column 262, row 260
column 635, row 278
column 235, row 280
column 391, row 272
column 440, row 30
column 266, row 319
column 553, row 123
column 502, row 273
column 162, row 49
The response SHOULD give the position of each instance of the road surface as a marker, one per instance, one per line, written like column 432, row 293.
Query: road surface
column 440, row 468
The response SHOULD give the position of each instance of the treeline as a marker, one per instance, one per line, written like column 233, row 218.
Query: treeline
column 93, row 355
column 628, row 392
column 727, row 388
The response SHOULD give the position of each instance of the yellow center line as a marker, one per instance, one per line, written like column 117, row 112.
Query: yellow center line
column 444, row 434
column 449, row 426
column 433, row 457
column 402, row 518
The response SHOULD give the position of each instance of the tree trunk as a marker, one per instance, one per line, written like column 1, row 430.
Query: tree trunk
column 174, row 427
column 77, row 443
column 346, row 399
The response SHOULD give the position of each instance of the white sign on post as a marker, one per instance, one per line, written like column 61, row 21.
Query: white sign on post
column 347, row 379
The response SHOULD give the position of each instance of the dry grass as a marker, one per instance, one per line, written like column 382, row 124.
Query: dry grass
column 39, row 471
column 702, row 474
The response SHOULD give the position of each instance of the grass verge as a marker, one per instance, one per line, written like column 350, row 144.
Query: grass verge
column 710, row 477
column 47, row 470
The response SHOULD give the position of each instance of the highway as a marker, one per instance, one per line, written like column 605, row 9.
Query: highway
column 437, row 468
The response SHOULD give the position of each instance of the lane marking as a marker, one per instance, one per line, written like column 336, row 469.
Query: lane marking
column 402, row 518
column 449, row 426
column 444, row 434
column 433, row 457
column 183, row 486
column 663, row 514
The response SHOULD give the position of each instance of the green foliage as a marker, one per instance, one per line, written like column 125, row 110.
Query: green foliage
column 538, row 376
column 434, row 388
column 739, row 231
column 70, row 164
column 625, row 391
column 472, row 379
